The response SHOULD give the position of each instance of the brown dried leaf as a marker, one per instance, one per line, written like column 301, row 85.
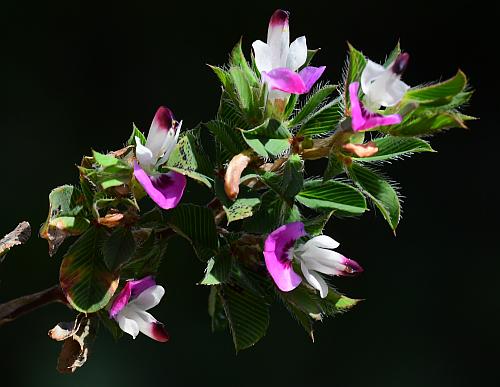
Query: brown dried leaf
column 75, row 349
column 17, row 237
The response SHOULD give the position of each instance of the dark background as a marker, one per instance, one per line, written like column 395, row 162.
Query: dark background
column 75, row 76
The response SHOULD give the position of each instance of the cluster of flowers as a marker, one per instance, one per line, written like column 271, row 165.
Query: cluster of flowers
column 278, row 62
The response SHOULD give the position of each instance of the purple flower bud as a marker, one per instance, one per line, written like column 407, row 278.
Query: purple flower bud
column 400, row 64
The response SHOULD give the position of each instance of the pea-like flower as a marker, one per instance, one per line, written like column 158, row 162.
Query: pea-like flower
column 165, row 189
column 383, row 86
column 278, row 60
column 130, row 306
column 315, row 256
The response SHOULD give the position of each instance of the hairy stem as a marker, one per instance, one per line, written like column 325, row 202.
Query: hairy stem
column 18, row 307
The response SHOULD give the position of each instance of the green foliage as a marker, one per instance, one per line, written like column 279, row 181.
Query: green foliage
column 324, row 120
column 355, row 65
column 314, row 226
column 393, row 147
column 332, row 195
column 392, row 56
column 442, row 92
column 67, row 216
column 118, row 248
column 241, row 208
column 247, row 314
column 86, row 281
column 188, row 159
column 136, row 133
column 312, row 104
column 269, row 139
column 334, row 167
column 196, row 224
column 218, row 269
column 147, row 257
column 216, row 310
column 380, row 191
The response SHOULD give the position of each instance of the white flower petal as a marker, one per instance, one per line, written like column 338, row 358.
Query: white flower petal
column 149, row 298
column 127, row 324
column 371, row 72
column 315, row 280
column 278, row 40
column 262, row 53
column 297, row 54
column 322, row 260
column 144, row 155
column 323, row 241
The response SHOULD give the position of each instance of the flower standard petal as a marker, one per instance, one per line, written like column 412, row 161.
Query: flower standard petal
column 262, row 53
column 162, row 123
column 284, row 79
column 278, row 38
column 297, row 54
column 278, row 257
column 131, row 290
column 363, row 119
column 323, row 241
column 165, row 189
column 150, row 297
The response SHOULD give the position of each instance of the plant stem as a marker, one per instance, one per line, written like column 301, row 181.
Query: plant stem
column 18, row 307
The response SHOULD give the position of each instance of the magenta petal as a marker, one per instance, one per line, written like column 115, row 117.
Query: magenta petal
column 362, row 119
column 165, row 190
column 277, row 255
column 279, row 19
column 310, row 75
column 284, row 79
column 130, row 291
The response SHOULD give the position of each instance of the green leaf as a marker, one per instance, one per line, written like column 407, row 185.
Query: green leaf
column 216, row 310
column 247, row 313
column 187, row 158
column 242, row 88
column 314, row 226
column 272, row 213
column 147, row 258
column 218, row 269
column 355, row 66
column 238, row 59
column 110, row 324
column 118, row 248
column 290, row 182
column 66, row 216
column 332, row 195
column 241, row 208
column 426, row 123
column 270, row 138
column 324, row 120
column 230, row 113
column 290, row 106
column 86, row 281
column 105, row 160
column 438, row 91
column 223, row 76
column 393, row 55
column 312, row 104
column 390, row 147
column 229, row 137
column 310, row 55
column 136, row 133
column 197, row 225
column 379, row 191
column 334, row 167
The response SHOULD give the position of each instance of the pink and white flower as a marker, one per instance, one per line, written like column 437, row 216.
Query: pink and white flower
column 278, row 60
column 383, row 86
column 130, row 306
column 315, row 256
column 165, row 189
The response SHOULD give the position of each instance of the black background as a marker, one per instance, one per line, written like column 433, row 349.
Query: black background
column 75, row 76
